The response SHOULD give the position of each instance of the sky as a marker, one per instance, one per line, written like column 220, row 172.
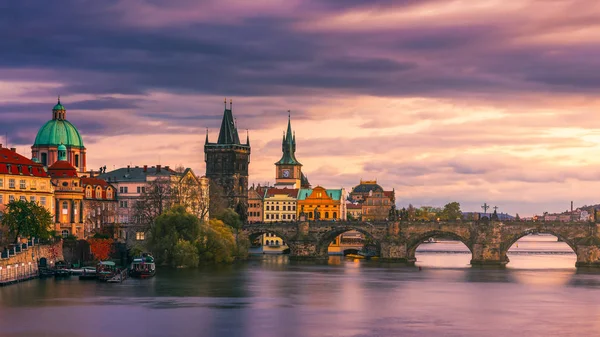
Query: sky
column 472, row 101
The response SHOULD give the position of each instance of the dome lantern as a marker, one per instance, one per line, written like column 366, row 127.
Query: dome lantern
column 62, row 152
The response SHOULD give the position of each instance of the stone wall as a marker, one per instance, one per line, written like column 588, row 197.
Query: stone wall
column 33, row 254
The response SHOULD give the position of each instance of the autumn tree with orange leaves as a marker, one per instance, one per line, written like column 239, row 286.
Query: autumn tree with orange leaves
column 101, row 248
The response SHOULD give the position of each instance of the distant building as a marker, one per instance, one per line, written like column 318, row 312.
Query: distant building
column 354, row 211
column 227, row 163
column 376, row 203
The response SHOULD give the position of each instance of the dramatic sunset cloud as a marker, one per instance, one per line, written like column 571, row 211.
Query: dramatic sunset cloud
column 444, row 100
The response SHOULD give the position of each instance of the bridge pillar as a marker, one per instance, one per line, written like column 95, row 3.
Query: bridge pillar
column 588, row 253
column 487, row 246
column 392, row 251
column 305, row 250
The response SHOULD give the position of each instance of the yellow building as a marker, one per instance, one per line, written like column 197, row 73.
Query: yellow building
column 322, row 204
column 280, row 204
column 23, row 179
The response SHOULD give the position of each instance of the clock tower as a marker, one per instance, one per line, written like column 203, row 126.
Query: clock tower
column 288, row 170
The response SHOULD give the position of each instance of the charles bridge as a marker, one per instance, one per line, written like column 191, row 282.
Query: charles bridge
column 397, row 241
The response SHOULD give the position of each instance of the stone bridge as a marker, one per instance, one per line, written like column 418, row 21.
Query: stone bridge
column 488, row 241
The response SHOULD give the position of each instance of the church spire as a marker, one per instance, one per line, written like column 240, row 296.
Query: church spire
column 288, row 146
column 228, row 133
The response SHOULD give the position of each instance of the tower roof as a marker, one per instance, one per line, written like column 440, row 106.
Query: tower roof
column 288, row 146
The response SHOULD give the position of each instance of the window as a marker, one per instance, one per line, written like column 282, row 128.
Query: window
column 44, row 159
column 123, row 204
column 109, row 194
column 65, row 207
column 32, row 185
column 277, row 216
column 1, row 199
column 140, row 236
column 139, row 189
column 43, row 201
column 277, row 208
column 88, row 192
column 98, row 193
column 22, row 183
column 335, row 215
column 11, row 183
column 1, row 182
column 65, row 233
column 23, row 198
column 268, row 208
column 76, row 160
column 32, row 198
column 11, row 198
column 143, row 189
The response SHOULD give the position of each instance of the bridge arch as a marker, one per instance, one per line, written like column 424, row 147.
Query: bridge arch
column 507, row 243
column 416, row 240
column 255, row 232
column 328, row 237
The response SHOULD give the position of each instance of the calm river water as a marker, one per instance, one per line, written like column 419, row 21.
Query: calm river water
column 540, row 293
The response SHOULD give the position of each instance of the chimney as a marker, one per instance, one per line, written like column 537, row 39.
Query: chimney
column 157, row 168
column 167, row 167
column 145, row 168
column 128, row 168
column 13, row 149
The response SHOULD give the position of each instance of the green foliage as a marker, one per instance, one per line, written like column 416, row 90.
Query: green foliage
column 168, row 229
column 216, row 243
column 451, row 212
column 136, row 250
column 231, row 218
column 101, row 236
column 27, row 219
column 185, row 254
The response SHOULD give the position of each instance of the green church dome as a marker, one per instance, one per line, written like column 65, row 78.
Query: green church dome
column 58, row 130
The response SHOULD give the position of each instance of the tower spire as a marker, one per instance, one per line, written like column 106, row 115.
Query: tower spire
column 225, row 102
column 247, row 137
column 206, row 142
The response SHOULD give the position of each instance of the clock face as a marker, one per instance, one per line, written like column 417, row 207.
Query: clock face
column 286, row 173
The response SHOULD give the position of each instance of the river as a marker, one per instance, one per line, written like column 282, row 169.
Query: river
column 540, row 293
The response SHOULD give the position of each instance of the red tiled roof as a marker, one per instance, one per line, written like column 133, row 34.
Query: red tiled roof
column 94, row 182
column 61, row 169
column 16, row 161
column 291, row 192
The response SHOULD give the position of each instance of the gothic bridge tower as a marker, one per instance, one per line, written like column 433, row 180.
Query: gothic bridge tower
column 227, row 163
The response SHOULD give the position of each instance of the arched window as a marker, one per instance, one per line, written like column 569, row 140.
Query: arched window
column 277, row 243
column 76, row 160
column 326, row 215
column 98, row 192
column 335, row 215
column 88, row 192
column 44, row 159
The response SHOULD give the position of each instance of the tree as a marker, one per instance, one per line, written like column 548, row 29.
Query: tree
column 154, row 201
column 27, row 219
column 218, row 201
column 185, row 254
column 168, row 229
column 451, row 212
column 216, row 243
column 231, row 218
column 101, row 248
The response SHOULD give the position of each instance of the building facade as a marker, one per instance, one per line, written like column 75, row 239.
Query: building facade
column 353, row 211
column 23, row 179
column 255, row 203
column 322, row 204
column 227, row 163
column 280, row 204
column 68, row 196
column 376, row 203
column 146, row 192
column 59, row 131
column 100, row 207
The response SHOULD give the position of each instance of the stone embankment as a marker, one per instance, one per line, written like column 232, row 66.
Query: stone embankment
column 20, row 264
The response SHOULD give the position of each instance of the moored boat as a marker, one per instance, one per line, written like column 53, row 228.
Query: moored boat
column 105, row 270
column 143, row 266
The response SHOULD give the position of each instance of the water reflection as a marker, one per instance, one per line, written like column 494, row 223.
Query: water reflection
column 270, row 295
